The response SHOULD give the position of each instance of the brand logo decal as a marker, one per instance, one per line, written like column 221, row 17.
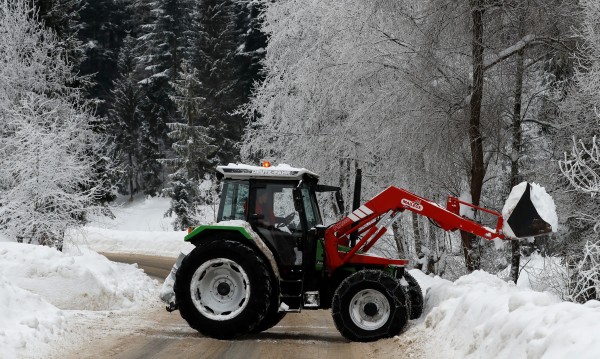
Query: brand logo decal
column 414, row 205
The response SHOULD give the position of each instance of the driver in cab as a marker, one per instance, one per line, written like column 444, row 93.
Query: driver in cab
column 264, row 207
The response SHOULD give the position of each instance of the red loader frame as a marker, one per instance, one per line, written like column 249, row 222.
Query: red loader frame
column 371, row 220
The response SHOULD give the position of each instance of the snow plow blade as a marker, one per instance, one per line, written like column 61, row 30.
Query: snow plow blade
column 525, row 221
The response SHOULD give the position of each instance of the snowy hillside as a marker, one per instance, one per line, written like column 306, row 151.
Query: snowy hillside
column 138, row 227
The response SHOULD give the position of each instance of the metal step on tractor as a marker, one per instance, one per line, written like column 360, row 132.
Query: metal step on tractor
column 269, row 254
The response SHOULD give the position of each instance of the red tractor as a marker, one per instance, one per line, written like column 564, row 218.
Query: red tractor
column 269, row 255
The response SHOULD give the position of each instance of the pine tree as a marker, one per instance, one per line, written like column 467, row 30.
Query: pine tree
column 192, row 144
column 62, row 16
column 183, row 200
column 251, row 52
column 125, row 118
column 161, row 47
column 192, row 147
column 102, row 28
column 216, row 59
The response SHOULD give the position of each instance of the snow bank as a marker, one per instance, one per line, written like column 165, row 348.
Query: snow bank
column 27, row 320
column 36, row 281
column 481, row 316
column 139, row 227
column 542, row 201
column 84, row 280
column 166, row 244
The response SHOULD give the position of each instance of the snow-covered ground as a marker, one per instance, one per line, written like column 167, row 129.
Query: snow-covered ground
column 46, row 295
column 482, row 316
column 42, row 288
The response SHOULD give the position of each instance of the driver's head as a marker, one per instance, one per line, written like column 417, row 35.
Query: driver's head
column 263, row 197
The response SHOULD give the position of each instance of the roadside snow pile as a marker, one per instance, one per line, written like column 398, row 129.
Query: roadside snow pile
column 481, row 316
column 542, row 201
column 26, row 320
column 139, row 227
column 166, row 244
column 74, row 280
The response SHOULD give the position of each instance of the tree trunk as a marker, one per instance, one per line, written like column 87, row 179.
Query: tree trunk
column 400, row 246
column 433, row 250
column 476, row 142
column 130, row 160
column 515, row 178
column 418, row 240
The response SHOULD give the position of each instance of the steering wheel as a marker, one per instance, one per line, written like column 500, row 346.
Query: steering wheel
column 285, row 221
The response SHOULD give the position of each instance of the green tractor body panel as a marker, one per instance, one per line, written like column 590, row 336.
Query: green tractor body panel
column 320, row 256
column 198, row 230
column 237, row 227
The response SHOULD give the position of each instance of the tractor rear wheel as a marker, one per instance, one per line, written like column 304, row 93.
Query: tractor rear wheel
column 370, row 305
column 222, row 289
column 273, row 315
column 270, row 320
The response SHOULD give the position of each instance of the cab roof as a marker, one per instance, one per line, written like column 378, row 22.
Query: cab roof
column 279, row 172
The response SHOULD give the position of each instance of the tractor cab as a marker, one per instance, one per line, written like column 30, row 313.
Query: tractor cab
column 279, row 203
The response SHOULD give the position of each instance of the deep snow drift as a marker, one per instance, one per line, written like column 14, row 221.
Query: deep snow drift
column 482, row 316
column 27, row 320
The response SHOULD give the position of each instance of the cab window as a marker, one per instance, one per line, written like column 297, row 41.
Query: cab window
column 310, row 207
column 234, row 201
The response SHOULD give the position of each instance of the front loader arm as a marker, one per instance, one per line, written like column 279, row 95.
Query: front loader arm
column 372, row 219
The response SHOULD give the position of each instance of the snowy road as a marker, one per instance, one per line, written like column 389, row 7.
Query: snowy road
column 158, row 334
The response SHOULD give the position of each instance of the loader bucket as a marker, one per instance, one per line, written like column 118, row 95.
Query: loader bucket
column 525, row 220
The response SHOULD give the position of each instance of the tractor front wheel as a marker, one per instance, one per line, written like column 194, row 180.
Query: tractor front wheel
column 415, row 296
column 370, row 305
column 222, row 289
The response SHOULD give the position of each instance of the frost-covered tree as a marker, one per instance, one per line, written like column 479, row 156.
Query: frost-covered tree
column 62, row 16
column 47, row 182
column 582, row 108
